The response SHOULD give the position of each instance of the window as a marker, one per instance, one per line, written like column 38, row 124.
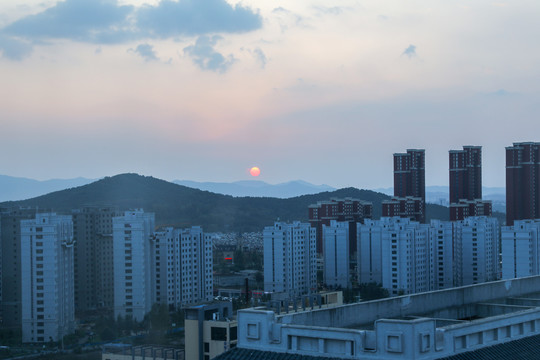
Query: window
column 218, row 333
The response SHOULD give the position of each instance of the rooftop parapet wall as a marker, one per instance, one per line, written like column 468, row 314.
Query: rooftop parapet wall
column 353, row 315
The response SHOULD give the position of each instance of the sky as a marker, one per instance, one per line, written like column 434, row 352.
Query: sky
column 320, row 91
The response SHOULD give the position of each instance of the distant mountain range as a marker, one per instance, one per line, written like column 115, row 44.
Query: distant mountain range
column 258, row 188
column 181, row 206
column 17, row 188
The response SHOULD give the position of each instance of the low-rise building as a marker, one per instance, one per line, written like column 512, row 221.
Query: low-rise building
column 210, row 330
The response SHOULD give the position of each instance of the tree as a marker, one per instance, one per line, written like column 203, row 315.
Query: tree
column 158, row 317
column 372, row 291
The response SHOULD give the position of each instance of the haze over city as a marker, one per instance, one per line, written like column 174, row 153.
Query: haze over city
column 303, row 90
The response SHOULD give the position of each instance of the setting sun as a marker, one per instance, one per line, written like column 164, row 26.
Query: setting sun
column 255, row 171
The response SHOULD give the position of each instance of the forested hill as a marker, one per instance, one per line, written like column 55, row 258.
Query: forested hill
column 181, row 206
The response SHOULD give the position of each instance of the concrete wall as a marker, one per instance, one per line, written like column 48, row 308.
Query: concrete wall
column 424, row 303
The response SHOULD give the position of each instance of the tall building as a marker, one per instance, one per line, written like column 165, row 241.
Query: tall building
column 410, row 177
column 396, row 252
column 337, row 261
column 132, row 264
column 92, row 231
column 10, row 228
column 290, row 258
column 182, row 263
column 47, row 268
column 350, row 210
column 465, row 173
column 522, row 181
column 520, row 249
column 476, row 249
column 466, row 184
column 406, row 256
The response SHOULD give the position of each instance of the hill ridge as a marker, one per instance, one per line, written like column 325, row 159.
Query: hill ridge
column 181, row 206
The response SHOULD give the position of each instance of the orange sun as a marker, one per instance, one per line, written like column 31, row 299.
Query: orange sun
column 255, row 171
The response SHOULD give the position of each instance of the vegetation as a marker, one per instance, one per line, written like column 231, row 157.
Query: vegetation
column 180, row 206
column 365, row 292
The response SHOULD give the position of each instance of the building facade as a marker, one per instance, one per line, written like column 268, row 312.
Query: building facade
column 408, row 257
column 210, row 330
column 337, row 259
column 47, row 278
column 290, row 258
column 396, row 252
column 410, row 178
column 132, row 264
column 476, row 248
column 92, row 232
column 183, row 267
column 405, row 207
column 522, row 182
column 10, row 281
column 465, row 168
column 520, row 249
column 348, row 210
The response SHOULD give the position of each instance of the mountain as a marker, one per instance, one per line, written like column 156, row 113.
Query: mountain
column 258, row 188
column 15, row 188
column 181, row 206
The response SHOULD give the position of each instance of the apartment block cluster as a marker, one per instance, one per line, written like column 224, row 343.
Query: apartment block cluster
column 403, row 252
column 95, row 260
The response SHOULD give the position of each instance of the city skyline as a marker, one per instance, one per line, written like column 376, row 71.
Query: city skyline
column 301, row 90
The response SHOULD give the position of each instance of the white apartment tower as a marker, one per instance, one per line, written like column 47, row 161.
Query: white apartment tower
column 369, row 254
column 521, row 249
column 182, row 263
column 476, row 249
column 133, row 264
column 290, row 258
column 442, row 254
column 403, row 255
column 336, row 253
column 47, row 278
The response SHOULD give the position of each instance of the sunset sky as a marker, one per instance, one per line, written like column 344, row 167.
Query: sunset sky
column 315, row 90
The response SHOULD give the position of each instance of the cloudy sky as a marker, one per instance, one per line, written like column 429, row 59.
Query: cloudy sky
column 307, row 89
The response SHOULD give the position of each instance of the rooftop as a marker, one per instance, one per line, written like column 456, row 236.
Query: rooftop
column 431, row 325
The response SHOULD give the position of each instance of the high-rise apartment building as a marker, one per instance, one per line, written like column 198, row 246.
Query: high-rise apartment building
column 522, row 181
column 410, row 177
column 182, row 263
column 290, row 258
column 408, row 257
column 465, row 168
column 47, row 268
column 337, row 261
column 92, row 231
column 133, row 264
column 442, row 254
column 520, row 249
column 465, row 173
column 10, row 281
column 396, row 252
column 476, row 249
column 350, row 210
